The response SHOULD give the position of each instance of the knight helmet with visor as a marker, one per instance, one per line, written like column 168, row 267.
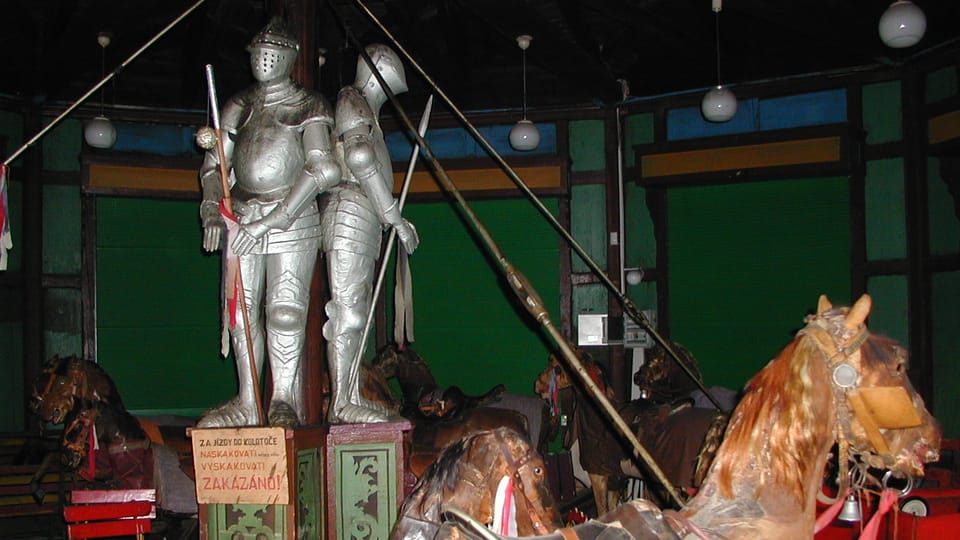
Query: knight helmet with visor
column 387, row 63
column 273, row 51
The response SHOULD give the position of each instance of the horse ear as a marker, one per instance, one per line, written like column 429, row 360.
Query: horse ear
column 858, row 313
column 823, row 305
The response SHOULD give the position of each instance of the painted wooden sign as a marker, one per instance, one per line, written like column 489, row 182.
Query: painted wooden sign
column 240, row 465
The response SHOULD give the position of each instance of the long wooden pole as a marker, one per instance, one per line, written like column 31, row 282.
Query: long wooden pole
column 524, row 290
column 102, row 82
column 238, row 285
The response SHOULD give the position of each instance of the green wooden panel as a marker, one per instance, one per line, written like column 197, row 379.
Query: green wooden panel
column 747, row 264
column 158, row 313
column 588, row 224
column 11, row 361
column 586, row 145
column 62, row 145
column 946, row 342
column 640, row 247
column 468, row 324
column 63, row 334
column 592, row 298
column 885, row 211
column 11, row 126
column 889, row 314
column 366, row 490
column 61, row 233
column 247, row 522
column 638, row 129
column 943, row 223
column 882, row 112
column 942, row 84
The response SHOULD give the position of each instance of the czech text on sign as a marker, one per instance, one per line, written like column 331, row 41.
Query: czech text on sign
column 240, row 465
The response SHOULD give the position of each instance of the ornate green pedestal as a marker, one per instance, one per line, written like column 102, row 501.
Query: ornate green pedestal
column 344, row 482
column 364, row 479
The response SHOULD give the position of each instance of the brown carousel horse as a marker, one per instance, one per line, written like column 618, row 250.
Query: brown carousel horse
column 440, row 416
column 467, row 475
column 680, row 437
column 835, row 384
column 101, row 440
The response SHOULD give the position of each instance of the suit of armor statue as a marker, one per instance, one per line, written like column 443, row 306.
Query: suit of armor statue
column 278, row 149
column 355, row 214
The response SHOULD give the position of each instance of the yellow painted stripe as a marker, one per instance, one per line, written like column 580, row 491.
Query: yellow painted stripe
column 798, row 152
column 143, row 178
column 539, row 177
column 944, row 127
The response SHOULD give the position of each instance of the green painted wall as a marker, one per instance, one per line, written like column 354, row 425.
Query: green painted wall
column 468, row 325
column 885, row 210
column 158, row 315
column 945, row 344
column 881, row 112
column 746, row 266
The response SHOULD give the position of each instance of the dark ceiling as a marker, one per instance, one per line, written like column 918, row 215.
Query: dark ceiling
column 580, row 49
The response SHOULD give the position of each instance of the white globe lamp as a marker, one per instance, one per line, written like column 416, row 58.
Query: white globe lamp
column 99, row 132
column 902, row 24
column 719, row 104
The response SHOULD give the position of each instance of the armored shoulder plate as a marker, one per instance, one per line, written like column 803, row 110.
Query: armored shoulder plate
column 304, row 107
column 352, row 111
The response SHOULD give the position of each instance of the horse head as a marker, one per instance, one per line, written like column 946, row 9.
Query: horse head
column 884, row 420
column 467, row 476
column 63, row 382
column 661, row 379
column 834, row 384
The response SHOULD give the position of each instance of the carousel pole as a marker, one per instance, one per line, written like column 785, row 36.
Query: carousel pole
column 528, row 296
column 628, row 306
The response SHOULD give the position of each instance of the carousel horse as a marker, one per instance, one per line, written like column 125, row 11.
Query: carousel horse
column 101, row 440
column 835, row 385
column 440, row 416
column 680, row 437
column 107, row 446
column 468, row 475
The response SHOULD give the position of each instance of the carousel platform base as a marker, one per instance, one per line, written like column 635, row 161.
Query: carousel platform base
column 331, row 481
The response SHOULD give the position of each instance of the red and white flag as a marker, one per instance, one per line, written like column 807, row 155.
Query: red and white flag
column 231, row 278
column 6, row 239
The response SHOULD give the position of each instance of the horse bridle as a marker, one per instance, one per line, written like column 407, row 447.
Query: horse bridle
column 518, row 468
column 845, row 380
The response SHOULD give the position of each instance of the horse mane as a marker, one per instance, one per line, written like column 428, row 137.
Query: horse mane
column 778, row 422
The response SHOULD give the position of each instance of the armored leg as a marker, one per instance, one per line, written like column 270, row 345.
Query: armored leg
column 351, row 277
column 242, row 409
column 288, row 295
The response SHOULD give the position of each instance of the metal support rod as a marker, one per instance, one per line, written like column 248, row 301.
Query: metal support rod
column 528, row 296
column 628, row 306
column 102, row 82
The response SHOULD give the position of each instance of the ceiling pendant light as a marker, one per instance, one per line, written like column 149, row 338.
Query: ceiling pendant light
column 902, row 24
column 719, row 104
column 524, row 135
column 99, row 131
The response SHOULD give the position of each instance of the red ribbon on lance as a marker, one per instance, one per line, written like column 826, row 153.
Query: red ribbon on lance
column 231, row 283
column 6, row 239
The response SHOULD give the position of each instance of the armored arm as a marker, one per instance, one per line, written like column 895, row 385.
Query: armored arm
column 210, row 183
column 361, row 158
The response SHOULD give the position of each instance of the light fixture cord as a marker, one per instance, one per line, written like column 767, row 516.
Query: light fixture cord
column 716, row 20
column 103, row 69
column 523, row 57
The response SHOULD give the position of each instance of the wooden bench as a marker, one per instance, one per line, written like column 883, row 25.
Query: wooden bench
column 29, row 488
column 112, row 512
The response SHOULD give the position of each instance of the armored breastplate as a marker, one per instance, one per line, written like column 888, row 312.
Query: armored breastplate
column 268, row 156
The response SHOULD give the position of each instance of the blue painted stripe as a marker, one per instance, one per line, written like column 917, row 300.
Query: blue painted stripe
column 455, row 143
